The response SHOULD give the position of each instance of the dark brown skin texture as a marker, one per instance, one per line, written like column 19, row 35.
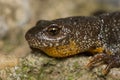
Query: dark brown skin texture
column 98, row 35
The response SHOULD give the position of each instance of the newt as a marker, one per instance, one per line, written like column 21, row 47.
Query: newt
column 63, row 37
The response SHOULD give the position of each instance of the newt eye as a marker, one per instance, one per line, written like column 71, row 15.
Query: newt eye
column 53, row 30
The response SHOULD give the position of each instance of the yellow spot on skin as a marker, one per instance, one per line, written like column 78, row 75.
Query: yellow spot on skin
column 62, row 51
column 97, row 50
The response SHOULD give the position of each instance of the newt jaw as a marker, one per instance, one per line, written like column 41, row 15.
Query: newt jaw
column 62, row 51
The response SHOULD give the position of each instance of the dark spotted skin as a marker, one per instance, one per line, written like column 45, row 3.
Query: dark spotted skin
column 99, row 35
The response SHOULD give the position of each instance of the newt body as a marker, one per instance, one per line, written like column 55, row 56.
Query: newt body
column 73, row 35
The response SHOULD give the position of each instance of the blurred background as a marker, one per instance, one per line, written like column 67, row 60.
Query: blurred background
column 17, row 16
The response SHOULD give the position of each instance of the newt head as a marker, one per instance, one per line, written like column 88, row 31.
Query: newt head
column 53, row 38
column 65, row 36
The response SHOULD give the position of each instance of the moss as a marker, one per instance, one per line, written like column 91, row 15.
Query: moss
column 41, row 67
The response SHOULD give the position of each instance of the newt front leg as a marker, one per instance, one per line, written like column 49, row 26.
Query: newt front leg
column 112, row 61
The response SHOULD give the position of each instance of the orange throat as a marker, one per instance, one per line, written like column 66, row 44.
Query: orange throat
column 62, row 51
